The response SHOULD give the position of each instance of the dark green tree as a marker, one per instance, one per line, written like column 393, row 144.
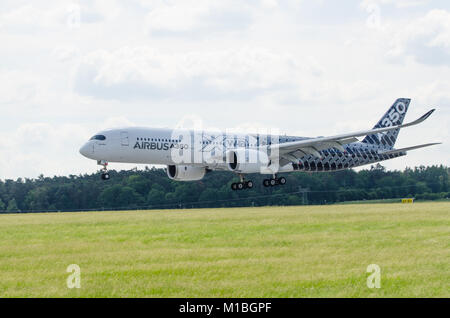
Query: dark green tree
column 156, row 195
column 118, row 196
column 12, row 206
column 151, row 187
column 37, row 199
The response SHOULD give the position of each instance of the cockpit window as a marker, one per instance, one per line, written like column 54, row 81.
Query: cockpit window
column 98, row 137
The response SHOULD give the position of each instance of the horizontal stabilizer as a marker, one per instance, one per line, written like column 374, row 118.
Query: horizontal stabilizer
column 390, row 152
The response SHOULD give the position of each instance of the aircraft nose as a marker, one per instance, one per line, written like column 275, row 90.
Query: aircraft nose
column 86, row 150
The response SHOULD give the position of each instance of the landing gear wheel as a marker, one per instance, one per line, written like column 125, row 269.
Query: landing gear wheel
column 266, row 183
column 105, row 173
column 273, row 182
column 242, row 184
column 282, row 181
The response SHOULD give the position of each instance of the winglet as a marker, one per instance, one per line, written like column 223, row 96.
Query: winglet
column 413, row 123
column 427, row 114
column 421, row 119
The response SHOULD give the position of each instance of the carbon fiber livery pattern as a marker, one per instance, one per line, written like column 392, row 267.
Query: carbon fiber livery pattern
column 355, row 155
column 393, row 117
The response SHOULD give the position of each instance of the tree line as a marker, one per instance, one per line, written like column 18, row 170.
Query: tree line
column 152, row 189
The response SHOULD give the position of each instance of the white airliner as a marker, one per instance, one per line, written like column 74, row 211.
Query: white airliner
column 189, row 154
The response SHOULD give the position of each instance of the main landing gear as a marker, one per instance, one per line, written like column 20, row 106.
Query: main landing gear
column 242, row 185
column 274, row 182
column 105, row 173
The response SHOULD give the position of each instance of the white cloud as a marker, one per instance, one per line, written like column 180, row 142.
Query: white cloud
column 397, row 3
column 143, row 72
column 65, row 53
column 17, row 87
column 436, row 94
column 269, row 4
column 177, row 17
column 172, row 17
column 49, row 16
column 27, row 18
column 35, row 148
column 426, row 39
column 114, row 122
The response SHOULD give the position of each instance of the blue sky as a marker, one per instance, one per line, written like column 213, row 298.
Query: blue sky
column 306, row 68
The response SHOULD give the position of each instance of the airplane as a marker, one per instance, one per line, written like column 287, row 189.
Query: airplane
column 190, row 154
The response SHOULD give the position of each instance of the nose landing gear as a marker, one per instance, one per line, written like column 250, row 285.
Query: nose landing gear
column 104, row 171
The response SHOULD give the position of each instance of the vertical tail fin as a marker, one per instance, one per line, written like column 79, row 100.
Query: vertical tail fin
column 394, row 116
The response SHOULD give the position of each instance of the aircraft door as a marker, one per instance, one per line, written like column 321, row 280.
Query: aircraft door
column 124, row 140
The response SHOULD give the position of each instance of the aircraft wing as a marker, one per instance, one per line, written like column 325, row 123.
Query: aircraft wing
column 289, row 151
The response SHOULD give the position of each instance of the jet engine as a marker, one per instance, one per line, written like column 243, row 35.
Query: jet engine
column 247, row 161
column 185, row 173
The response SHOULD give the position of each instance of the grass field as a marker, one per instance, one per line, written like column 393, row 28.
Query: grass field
column 312, row 251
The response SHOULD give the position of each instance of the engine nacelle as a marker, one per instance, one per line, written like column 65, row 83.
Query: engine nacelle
column 247, row 161
column 185, row 173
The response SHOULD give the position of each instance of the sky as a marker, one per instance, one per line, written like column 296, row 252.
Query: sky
column 311, row 68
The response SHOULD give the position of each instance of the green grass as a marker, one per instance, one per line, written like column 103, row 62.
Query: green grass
column 397, row 200
column 311, row 251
